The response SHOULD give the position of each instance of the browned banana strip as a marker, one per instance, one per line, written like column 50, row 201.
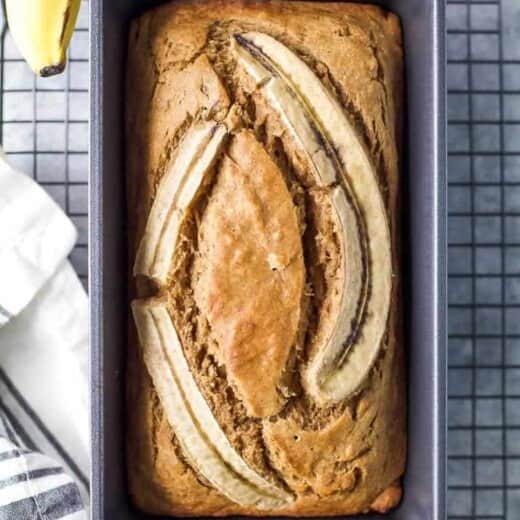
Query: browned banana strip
column 202, row 440
column 318, row 124
column 179, row 186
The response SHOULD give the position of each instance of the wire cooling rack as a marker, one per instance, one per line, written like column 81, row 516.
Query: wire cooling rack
column 44, row 127
column 484, row 259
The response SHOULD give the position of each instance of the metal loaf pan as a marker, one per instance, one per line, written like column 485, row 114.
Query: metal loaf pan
column 424, row 255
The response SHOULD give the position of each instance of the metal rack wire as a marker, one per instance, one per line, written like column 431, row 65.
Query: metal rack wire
column 484, row 259
column 44, row 127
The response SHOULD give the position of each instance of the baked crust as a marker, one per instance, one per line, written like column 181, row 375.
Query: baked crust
column 254, row 328
column 338, row 460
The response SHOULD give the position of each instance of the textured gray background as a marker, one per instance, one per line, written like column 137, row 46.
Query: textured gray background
column 45, row 133
column 484, row 259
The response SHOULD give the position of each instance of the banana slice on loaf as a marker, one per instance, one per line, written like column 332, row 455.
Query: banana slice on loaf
column 319, row 126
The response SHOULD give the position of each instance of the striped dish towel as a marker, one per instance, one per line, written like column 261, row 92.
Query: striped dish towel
column 32, row 485
column 44, row 462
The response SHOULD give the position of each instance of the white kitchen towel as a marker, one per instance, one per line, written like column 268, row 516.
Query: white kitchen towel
column 43, row 328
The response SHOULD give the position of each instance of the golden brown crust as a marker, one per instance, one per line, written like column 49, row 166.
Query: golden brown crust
column 388, row 499
column 250, row 272
column 343, row 460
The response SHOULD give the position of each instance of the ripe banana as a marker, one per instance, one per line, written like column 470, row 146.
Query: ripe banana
column 42, row 30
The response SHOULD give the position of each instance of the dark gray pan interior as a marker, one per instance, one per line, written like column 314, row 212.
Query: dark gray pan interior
column 424, row 251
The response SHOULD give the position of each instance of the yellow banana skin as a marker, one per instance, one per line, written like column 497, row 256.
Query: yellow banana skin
column 42, row 30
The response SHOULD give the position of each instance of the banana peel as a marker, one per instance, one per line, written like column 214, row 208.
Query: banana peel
column 42, row 30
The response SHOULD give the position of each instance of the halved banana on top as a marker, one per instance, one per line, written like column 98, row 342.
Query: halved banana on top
column 177, row 192
column 316, row 122
column 203, row 442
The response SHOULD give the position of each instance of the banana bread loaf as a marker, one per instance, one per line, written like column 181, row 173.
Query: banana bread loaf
column 265, row 365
